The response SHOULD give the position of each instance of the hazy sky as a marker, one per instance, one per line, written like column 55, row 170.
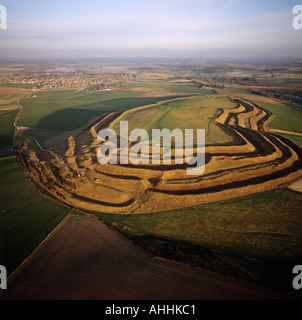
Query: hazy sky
column 155, row 28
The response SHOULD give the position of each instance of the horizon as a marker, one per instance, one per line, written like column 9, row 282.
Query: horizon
column 135, row 60
column 191, row 29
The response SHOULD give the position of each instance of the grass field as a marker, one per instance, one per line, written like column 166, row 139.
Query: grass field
column 184, row 113
column 48, row 102
column 18, row 85
column 193, row 90
column 7, row 132
column 9, row 95
column 287, row 118
column 26, row 217
column 174, row 87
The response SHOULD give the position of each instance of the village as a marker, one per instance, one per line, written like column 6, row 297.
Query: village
column 62, row 79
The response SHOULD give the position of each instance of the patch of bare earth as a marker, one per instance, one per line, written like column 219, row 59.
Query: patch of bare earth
column 296, row 186
column 84, row 259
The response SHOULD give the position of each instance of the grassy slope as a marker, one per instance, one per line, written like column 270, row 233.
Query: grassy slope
column 26, row 217
column 296, row 138
column 185, row 113
column 288, row 118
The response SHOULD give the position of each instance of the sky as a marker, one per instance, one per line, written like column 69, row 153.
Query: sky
column 149, row 29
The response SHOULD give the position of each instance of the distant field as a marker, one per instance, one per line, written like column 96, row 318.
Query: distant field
column 150, row 74
column 9, row 95
column 18, row 85
column 173, row 86
column 230, row 90
column 193, row 89
column 26, row 217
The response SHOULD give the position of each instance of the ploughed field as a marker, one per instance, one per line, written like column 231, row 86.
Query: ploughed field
column 241, row 157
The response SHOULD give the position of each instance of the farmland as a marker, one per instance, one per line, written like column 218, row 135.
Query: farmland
column 26, row 216
column 238, row 218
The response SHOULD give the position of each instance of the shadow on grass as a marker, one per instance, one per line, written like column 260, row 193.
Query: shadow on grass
column 67, row 119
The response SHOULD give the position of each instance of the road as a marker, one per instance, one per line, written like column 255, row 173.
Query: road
column 34, row 139
column 42, row 149
column 286, row 132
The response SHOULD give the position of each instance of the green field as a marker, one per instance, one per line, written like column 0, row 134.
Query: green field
column 287, row 118
column 175, row 87
column 18, row 85
column 193, row 90
column 26, row 216
column 48, row 102
column 7, row 132
column 51, row 109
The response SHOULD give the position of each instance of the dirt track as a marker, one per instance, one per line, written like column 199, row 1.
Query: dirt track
column 83, row 259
